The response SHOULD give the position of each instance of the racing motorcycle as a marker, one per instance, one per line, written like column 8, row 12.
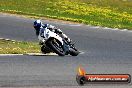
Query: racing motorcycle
column 52, row 42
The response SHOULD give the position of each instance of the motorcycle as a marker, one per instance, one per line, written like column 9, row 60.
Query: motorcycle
column 52, row 42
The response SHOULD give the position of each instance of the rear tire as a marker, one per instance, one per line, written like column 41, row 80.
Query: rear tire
column 55, row 48
column 45, row 49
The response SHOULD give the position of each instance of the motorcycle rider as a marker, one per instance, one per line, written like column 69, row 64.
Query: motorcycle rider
column 40, row 27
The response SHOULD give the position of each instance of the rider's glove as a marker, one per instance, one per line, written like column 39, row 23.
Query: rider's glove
column 68, row 40
column 58, row 31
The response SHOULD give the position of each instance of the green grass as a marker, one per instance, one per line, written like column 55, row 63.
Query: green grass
column 15, row 47
column 110, row 13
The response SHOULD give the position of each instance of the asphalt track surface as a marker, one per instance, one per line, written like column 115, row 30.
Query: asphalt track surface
column 105, row 51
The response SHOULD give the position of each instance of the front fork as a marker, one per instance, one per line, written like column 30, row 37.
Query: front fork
column 65, row 47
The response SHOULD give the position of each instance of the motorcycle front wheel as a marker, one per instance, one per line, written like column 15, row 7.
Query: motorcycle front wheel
column 74, row 52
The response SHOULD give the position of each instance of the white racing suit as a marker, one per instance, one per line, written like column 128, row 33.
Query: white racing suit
column 44, row 48
column 51, row 28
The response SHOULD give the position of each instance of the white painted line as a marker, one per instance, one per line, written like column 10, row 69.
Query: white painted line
column 11, row 40
column 40, row 54
column 7, row 39
column 103, row 28
column 75, row 25
column 107, row 28
column 69, row 24
column 35, row 54
column 48, row 54
column 96, row 27
column 30, row 54
column 115, row 29
column 11, row 54
column 1, row 38
column 124, row 30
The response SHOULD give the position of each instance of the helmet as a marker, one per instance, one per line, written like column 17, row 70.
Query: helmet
column 37, row 24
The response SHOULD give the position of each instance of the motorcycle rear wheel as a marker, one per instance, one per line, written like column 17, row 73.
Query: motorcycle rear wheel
column 45, row 49
column 56, row 46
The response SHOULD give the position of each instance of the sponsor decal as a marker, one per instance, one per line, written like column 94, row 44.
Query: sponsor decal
column 83, row 78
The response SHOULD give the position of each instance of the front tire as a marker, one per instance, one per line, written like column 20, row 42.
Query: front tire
column 74, row 52
column 56, row 46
